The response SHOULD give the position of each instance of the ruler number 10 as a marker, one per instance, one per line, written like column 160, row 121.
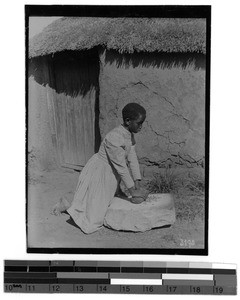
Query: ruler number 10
column 8, row 287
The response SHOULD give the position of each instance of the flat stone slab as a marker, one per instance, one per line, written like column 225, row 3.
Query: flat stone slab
column 158, row 210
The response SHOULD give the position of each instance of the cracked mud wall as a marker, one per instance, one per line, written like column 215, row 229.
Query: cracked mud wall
column 172, row 90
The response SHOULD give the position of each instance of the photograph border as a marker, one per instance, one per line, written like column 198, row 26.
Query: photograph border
column 161, row 11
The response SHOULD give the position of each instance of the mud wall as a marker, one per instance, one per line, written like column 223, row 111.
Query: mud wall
column 172, row 90
column 41, row 154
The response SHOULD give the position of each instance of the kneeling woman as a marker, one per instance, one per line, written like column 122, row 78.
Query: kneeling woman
column 100, row 178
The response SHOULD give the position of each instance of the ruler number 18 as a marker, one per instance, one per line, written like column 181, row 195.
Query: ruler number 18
column 196, row 289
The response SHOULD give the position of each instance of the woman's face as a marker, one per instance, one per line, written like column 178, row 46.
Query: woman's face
column 136, row 125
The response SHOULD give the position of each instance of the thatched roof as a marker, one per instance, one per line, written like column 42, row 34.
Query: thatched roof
column 121, row 34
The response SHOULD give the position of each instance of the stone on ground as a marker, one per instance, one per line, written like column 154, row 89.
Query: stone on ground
column 157, row 211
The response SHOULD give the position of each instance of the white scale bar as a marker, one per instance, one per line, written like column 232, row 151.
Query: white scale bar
column 188, row 276
column 127, row 281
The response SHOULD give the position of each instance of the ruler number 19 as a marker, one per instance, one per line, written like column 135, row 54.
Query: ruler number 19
column 218, row 290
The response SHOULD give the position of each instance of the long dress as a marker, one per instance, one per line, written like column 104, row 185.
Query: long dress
column 100, row 177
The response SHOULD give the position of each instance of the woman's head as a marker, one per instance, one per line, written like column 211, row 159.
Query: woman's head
column 133, row 116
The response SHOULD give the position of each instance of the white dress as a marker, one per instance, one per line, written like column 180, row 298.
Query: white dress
column 99, row 179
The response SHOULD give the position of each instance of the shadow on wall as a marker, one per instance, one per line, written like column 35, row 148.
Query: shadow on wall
column 156, row 59
column 70, row 72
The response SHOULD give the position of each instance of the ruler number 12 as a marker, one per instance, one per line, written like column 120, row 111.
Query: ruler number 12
column 55, row 288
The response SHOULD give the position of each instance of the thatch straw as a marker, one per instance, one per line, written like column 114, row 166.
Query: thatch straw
column 122, row 34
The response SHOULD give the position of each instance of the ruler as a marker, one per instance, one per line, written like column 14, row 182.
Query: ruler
column 119, row 277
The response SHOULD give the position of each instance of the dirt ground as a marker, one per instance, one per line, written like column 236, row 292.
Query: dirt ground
column 48, row 231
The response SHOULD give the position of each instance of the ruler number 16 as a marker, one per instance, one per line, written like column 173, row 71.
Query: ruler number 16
column 148, row 289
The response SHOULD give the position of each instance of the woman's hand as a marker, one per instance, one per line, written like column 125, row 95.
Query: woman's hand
column 137, row 200
column 138, row 196
column 140, row 193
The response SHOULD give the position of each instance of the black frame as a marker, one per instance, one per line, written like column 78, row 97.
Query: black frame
column 162, row 11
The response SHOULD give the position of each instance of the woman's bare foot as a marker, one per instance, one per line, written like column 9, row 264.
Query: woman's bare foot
column 60, row 207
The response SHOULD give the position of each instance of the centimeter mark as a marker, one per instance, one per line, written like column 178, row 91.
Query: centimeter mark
column 118, row 289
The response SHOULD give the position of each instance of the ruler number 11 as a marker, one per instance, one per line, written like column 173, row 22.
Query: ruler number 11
column 30, row 288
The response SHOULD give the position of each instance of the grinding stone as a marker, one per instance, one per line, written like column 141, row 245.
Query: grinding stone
column 158, row 210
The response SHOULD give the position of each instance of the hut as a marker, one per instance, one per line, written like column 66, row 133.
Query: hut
column 83, row 70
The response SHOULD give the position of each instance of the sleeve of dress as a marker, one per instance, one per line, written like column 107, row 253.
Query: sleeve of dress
column 133, row 164
column 114, row 146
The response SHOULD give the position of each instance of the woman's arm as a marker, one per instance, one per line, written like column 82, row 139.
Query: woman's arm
column 134, row 166
column 116, row 153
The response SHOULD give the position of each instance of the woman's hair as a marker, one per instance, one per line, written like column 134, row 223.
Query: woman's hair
column 133, row 111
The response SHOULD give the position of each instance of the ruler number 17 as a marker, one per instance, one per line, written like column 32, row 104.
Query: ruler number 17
column 171, row 289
